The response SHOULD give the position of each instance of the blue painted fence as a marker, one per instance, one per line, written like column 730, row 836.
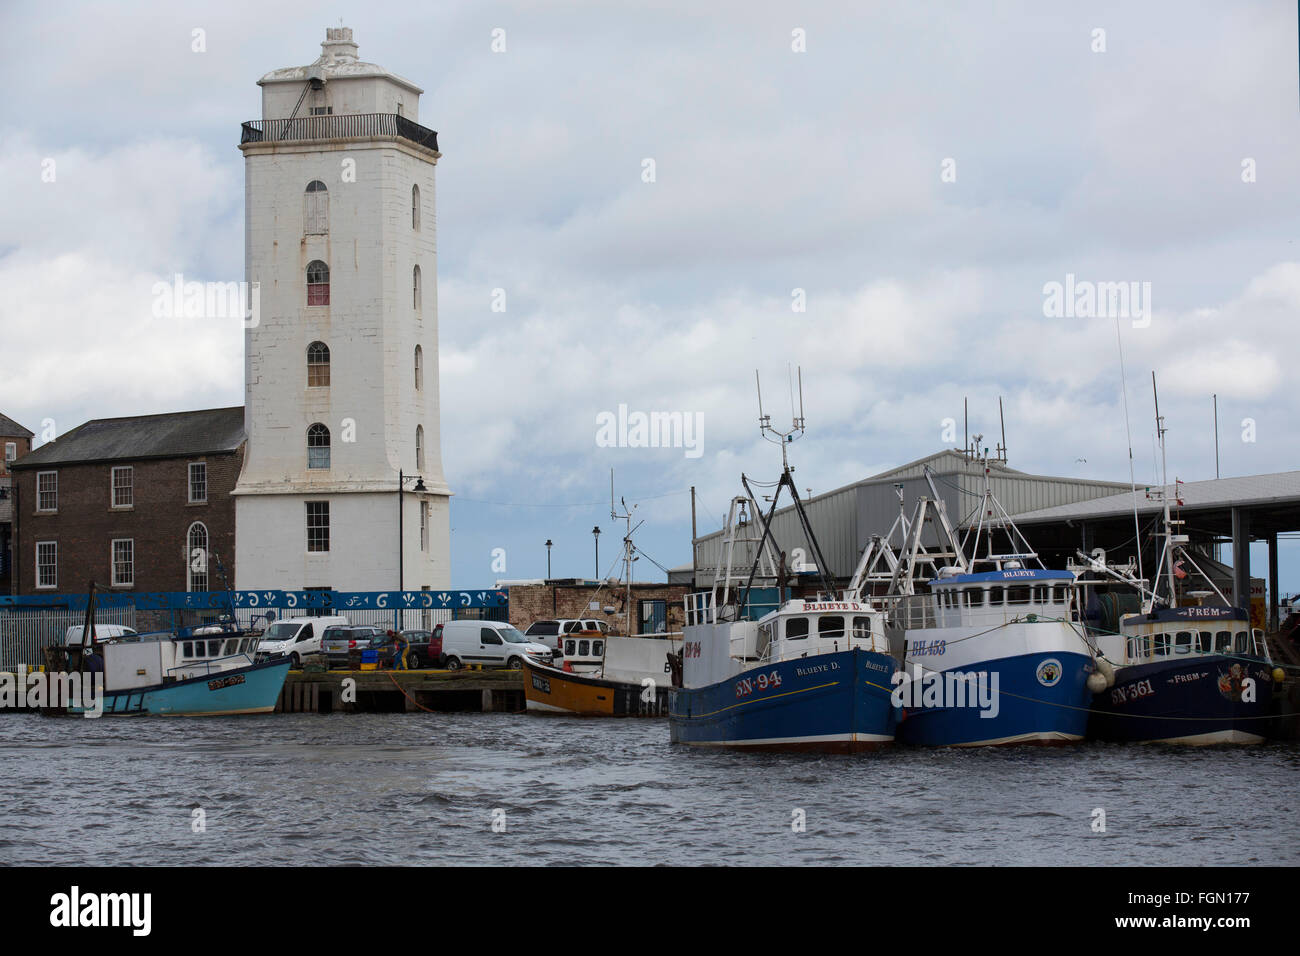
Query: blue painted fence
column 281, row 600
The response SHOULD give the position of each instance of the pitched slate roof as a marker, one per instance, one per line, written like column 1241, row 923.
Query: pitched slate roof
column 11, row 429
column 173, row 435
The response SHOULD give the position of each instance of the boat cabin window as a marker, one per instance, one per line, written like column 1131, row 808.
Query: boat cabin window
column 187, row 649
column 1183, row 642
column 974, row 597
column 598, row 647
column 796, row 628
column 1021, row 595
column 214, row 648
column 830, row 626
column 570, row 648
column 1161, row 644
column 862, row 628
column 995, row 595
column 232, row 646
column 1204, row 641
column 1223, row 642
column 1060, row 594
column 1042, row 594
column 584, row 648
column 1243, row 642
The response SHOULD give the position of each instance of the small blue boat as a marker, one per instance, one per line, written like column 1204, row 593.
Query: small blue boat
column 208, row 670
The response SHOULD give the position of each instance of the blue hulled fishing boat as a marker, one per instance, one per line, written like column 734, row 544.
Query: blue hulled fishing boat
column 801, row 675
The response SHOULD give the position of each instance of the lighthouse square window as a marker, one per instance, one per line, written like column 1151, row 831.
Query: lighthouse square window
column 318, row 526
column 47, row 491
column 123, row 562
column 123, row 490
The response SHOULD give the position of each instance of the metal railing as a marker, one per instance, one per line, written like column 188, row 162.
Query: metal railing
column 24, row 635
column 337, row 126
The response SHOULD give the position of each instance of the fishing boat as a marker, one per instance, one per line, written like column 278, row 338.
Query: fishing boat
column 808, row 674
column 604, row 676
column 205, row 670
column 1189, row 668
column 993, row 652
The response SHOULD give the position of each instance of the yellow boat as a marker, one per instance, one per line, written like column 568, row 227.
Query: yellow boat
column 590, row 684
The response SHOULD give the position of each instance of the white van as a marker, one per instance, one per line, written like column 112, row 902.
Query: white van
column 490, row 643
column 296, row 637
column 102, row 632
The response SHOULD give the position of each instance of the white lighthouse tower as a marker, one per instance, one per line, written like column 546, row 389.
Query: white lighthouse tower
column 341, row 356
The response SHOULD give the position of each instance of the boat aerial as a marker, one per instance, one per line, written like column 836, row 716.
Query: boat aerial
column 1189, row 668
column 805, row 674
column 993, row 652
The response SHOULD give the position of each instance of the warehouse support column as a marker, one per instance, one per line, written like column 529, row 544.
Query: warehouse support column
column 1273, row 622
column 1241, row 558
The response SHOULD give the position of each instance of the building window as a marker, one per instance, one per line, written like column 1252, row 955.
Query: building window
column 198, row 482
column 47, row 491
column 11, row 451
column 424, row 526
column 318, row 283
column 419, row 368
column 196, row 541
column 321, row 111
column 123, row 487
column 415, row 288
column 419, row 447
column 415, row 208
column 123, row 562
column 318, row 446
column 47, row 564
column 316, row 209
column 318, row 365
column 318, row 526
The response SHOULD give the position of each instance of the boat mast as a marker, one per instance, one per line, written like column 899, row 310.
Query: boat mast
column 1164, row 494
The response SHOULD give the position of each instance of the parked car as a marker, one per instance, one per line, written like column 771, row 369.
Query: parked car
column 340, row 642
column 490, row 643
column 551, row 633
column 425, row 647
column 102, row 632
column 297, row 637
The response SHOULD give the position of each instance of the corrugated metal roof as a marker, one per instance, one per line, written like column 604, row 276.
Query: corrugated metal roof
column 11, row 429
column 171, row 435
column 1281, row 487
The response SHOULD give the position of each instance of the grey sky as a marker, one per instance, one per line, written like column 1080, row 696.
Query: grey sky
column 775, row 170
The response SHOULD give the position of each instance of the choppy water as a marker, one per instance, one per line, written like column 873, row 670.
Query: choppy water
column 422, row 789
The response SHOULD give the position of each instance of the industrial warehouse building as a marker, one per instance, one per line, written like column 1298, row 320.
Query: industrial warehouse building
column 1059, row 516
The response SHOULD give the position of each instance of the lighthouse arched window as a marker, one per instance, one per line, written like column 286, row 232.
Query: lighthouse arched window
column 318, row 446
column 415, row 288
column 316, row 209
column 318, row 283
column 419, row 367
column 415, row 208
column 318, row 365
column 419, row 447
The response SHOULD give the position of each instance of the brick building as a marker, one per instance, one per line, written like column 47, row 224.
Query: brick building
column 15, row 441
column 135, row 504
column 655, row 607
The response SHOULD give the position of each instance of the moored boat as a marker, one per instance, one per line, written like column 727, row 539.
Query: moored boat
column 604, row 676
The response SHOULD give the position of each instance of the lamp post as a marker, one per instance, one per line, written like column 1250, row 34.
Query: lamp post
column 595, row 533
column 548, row 559
column 419, row 488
